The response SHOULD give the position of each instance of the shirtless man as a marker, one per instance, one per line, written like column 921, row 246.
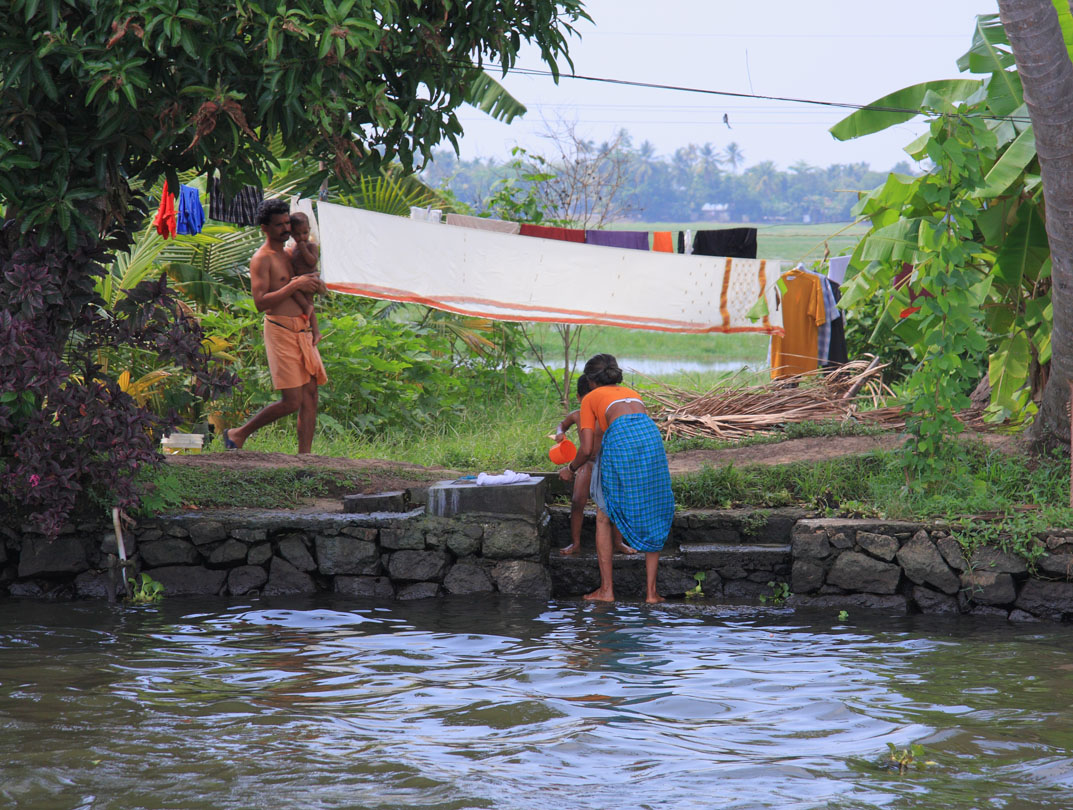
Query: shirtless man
column 293, row 359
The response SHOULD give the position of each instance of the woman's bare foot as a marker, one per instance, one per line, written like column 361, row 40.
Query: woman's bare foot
column 654, row 599
column 622, row 548
column 600, row 595
column 573, row 548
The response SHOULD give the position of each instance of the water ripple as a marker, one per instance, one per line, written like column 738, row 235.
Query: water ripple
column 326, row 703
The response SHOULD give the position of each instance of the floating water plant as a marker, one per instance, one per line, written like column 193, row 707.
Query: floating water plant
column 696, row 590
column 146, row 591
column 902, row 759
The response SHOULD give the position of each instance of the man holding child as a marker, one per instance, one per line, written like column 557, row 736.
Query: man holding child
column 290, row 329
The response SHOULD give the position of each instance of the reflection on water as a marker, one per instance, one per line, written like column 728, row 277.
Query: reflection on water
column 519, row 704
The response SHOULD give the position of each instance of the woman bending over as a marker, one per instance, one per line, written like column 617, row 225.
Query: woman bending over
column 631, row 483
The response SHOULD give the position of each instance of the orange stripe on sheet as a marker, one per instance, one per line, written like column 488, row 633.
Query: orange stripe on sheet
column 763, row 291
column 376, row 290
column 595, row 320
column 723, row 310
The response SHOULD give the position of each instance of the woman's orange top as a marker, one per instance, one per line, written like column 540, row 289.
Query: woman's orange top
column 595, row 404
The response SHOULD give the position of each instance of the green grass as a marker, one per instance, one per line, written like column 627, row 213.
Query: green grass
column 976, row 482
column 174, row 486
column 492, row 434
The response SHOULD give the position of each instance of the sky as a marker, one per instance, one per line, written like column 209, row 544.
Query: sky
column 829, row 50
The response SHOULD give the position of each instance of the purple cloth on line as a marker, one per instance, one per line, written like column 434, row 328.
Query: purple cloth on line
column 634, row 240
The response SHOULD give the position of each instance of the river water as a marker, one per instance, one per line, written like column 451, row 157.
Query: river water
column 498, row 703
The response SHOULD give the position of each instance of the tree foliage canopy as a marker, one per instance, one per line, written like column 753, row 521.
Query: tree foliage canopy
column 99, row 98
column 95, row 92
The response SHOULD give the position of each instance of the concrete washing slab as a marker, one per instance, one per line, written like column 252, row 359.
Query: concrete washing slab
column 523, row 499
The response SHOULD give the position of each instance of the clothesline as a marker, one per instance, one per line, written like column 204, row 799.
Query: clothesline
column 500, row 275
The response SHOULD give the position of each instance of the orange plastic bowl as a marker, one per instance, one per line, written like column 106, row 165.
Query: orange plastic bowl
column 563, row 452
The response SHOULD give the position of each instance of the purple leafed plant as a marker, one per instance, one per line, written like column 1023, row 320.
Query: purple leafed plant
column 70, row 438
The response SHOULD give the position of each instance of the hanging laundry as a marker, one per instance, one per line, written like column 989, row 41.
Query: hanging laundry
column 240, row 209
column 685, row 242
column 662, row 241
column 795, row 352
column 429, row 214
column 737, row 242
column 838, row 353
column 823, row 336
column 164, row 221
column 484, row 223
column 836, row 269
column 498, row 276
column 631, row 240
column 548, row 232
column 191, row 216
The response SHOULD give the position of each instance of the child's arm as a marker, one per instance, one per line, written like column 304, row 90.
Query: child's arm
column 310, row 255
column 303, row 301
column 571, row 419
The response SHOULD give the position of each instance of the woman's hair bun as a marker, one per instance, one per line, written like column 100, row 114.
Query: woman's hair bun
column 602, row 369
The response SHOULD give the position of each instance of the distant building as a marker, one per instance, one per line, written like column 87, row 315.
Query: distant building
column 715, row 212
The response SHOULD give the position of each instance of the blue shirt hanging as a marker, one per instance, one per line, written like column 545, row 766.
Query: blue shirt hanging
column 190, row 215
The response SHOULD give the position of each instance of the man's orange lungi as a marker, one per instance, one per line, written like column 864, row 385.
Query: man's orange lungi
column 292, row 357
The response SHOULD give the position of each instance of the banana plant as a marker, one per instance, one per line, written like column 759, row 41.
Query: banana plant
column 1014, row 259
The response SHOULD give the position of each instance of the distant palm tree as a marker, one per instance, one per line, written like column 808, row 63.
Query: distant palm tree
column 733, row 155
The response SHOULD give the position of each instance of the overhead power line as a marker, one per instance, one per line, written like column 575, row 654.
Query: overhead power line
column 731, row 94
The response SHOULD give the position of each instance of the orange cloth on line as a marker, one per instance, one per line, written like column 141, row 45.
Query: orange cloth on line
column 292, row 357
column 802, row 315
column 594, row 405
column 165, row 222
column 661, row 241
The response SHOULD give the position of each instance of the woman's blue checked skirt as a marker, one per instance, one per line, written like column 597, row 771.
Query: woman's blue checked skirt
column 635, row 481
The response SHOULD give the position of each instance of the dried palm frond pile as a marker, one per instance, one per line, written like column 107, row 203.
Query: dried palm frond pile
column 733, row 411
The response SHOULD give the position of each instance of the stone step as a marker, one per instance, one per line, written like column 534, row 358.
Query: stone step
column 732, row 571
column 730, row 526
column 753, row 556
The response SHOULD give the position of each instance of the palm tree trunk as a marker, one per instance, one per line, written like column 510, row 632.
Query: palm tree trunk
column 1047, row 75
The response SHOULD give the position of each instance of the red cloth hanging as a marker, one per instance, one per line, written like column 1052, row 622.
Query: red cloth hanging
column 548, row 232
column 166, row 222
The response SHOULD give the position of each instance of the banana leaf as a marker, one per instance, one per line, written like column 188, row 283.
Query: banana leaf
column 900, row 106
column 489, row 96
column 1010, row 165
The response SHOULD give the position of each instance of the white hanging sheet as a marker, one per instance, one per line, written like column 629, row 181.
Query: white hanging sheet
column 512, row 278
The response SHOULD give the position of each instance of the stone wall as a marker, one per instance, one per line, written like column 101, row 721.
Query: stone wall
column 401, row 556
column 913, row 567
column 745, row 556
column 739, row 551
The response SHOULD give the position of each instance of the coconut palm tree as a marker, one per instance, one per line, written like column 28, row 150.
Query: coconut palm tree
column 1046, row 72
column 733, row 156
